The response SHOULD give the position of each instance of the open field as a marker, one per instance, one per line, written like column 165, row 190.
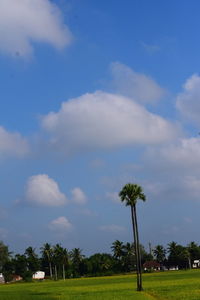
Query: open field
column 174, row 285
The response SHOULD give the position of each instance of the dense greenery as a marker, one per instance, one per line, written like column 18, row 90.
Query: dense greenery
column 173, row 285
column 59, row 263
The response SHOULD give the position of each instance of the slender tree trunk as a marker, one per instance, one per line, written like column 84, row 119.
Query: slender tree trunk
column 50, row 270
column 138, row 248
column 56, row 275
column 63, row 272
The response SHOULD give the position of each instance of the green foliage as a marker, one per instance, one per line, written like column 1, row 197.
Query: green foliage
column 4, row 255
column 174, row 285
column 130, row 193
column 178, row 255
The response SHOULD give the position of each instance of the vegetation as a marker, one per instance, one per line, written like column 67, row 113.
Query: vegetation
column 59, row 263
column 174, row 285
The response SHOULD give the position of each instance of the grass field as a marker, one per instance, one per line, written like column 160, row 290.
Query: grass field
column 174, row 285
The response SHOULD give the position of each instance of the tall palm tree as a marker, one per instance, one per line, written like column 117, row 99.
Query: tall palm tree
column 47, row 252
column 129, row 194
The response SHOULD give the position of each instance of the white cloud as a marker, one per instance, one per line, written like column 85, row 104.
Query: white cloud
column 138, row 86
column 103, row 120
column 188, row 102
column 112, row 228
column 61, row 224
column 173, row 171
column 78, row 196
column 43, row 190
column 12, row 144
column 183, row 154
column 23, row 22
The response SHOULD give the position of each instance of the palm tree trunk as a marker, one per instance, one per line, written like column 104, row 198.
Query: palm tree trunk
column 136, row 247
column 50, row 270
column 56, row 275
column 63, row 272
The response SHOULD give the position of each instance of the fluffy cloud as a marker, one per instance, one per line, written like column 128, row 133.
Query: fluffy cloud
column 25, row 21
column 112, row 228
column 173, row 171
column 183, row 154
column 188, row 102
column 103, row 120
column 61, row 224
column 43, row 190
column 12, row 144
column 78, row 196
column 135, row 85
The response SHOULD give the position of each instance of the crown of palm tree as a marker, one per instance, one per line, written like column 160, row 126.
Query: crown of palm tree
column 131, row 193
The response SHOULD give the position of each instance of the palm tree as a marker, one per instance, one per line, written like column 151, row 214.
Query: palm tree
column 129, row 194
column 77, row 258
column 117, row 248
column 160, row 254
column 47, row 253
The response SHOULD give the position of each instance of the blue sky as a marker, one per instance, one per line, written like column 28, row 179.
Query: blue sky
column 96, row 94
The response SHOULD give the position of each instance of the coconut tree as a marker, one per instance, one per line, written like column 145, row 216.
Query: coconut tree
column 118, row 249
column 160, row 254
column 47, row 254
column 130, row 194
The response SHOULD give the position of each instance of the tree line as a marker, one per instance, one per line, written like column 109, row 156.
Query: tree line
column 59, row 263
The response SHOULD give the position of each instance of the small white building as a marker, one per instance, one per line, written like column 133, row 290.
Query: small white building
column 196, row 264
column 39, row 275
column 2, row 278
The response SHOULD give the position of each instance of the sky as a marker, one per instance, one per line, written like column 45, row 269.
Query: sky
column 94, row 95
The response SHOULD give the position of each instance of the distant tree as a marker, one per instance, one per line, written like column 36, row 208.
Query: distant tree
column 118, row 249
column 8, row 270
column 194, row 252
column 33, row 262
column 76, row 258
column 129, row 194
column 129, row 257
column 100, row 264
column 160, row 254
column 4, row 255
column 21, row 267
column 178, row 255
column 47, row 257
column 60, row 259
column 65, row 260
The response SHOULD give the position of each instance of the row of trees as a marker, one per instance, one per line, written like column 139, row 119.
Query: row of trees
column 125, row 258
column 57, row 262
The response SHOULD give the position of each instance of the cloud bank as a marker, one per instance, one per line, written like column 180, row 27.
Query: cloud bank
column 102, row 121
column 23, row 22
column 188, row 102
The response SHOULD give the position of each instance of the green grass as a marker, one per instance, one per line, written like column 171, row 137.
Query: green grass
column 174, row 285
